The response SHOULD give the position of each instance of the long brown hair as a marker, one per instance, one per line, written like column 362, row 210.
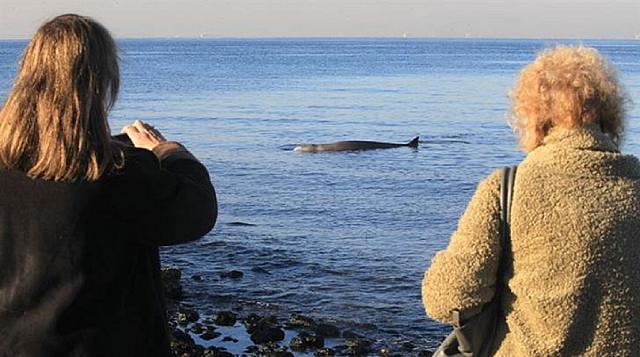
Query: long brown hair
column 54, row 122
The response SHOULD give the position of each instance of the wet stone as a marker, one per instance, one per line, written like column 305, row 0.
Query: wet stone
column 325, row 352
column 210, row 335
column 171, row 286
column 209, row 327
column 263, row 329
column 229, row 339
column 267, row 334
column 184, row 316
column 297, row 321
column 181, row 336
column 225, row 318
column 186, row 349
column 273, row 349
column 197, row 277
column 357, row 346
column 217, row 352
column 232, row 274
column 340, row 349
column 351, row 334
column 305, row 341
column 252, row 322
column 197, row 328
column 327, row 330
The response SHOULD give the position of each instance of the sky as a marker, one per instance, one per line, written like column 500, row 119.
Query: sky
column 592, row 19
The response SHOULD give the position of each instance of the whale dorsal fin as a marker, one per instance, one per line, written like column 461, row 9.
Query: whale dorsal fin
column 414, row 143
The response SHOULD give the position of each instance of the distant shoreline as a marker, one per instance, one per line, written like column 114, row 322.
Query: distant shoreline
column 409, row 38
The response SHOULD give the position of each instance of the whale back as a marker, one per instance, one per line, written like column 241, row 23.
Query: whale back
column 353, row 145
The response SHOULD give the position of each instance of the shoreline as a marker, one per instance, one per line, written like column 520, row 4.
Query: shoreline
column 241, row 331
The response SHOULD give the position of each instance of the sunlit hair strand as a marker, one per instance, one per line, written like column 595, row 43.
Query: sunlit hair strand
column 54, row 122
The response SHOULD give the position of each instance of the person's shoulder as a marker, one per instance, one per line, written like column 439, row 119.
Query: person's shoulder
column 492, row 181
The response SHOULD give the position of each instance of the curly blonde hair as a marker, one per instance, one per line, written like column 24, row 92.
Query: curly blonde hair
column 567, row 86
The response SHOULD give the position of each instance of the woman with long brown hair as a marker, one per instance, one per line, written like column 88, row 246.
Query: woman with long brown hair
column 82, row 216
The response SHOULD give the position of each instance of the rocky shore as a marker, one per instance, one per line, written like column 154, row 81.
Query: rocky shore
column 238, row 333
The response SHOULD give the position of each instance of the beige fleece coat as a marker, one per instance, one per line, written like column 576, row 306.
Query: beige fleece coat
column 574, row 286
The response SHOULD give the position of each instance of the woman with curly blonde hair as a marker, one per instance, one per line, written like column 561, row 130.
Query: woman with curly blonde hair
column 571, row 285
column 82, row 215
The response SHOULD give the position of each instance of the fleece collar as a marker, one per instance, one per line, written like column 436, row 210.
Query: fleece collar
column 584, row 151
column 586, row 138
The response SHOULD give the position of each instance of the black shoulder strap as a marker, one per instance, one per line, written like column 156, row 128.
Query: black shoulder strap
column 506, row 194
column 506, row 197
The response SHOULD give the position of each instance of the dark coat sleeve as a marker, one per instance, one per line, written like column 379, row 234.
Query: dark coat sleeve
column 167, row 198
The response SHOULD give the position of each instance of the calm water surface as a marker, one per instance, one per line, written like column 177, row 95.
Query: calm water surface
column 345, row 236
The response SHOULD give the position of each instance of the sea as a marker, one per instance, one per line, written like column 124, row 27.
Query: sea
column 341, row 237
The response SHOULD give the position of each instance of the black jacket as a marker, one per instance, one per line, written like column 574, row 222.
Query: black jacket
column 79, row 263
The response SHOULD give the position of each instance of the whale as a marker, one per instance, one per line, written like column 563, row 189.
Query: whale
column 353, row 145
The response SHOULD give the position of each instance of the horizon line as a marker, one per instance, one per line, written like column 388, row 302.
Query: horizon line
column 190, row 37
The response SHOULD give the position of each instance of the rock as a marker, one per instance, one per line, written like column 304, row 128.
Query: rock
column 263, row 329
column 181, row 336
column 197, row 328
column 225, row 318
column 171, row 283
column 197, row 277
column 217, row 352
column 273, row 349
column 184, row 316
column 340, row 350
column 297, row 321
column 357, row 346
column 209, row 327
column 327, row 330
column 260, row 270
column 210, row 335
column 251, row 349
column 351, row 334
column 325, row 352
column 230, row 339
column 267, row 334
column 182, row 344
column 384, row 352
column 306, row 341
column 184, row 349
column 425, row 353
column 233, row 274
column 253, row 321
